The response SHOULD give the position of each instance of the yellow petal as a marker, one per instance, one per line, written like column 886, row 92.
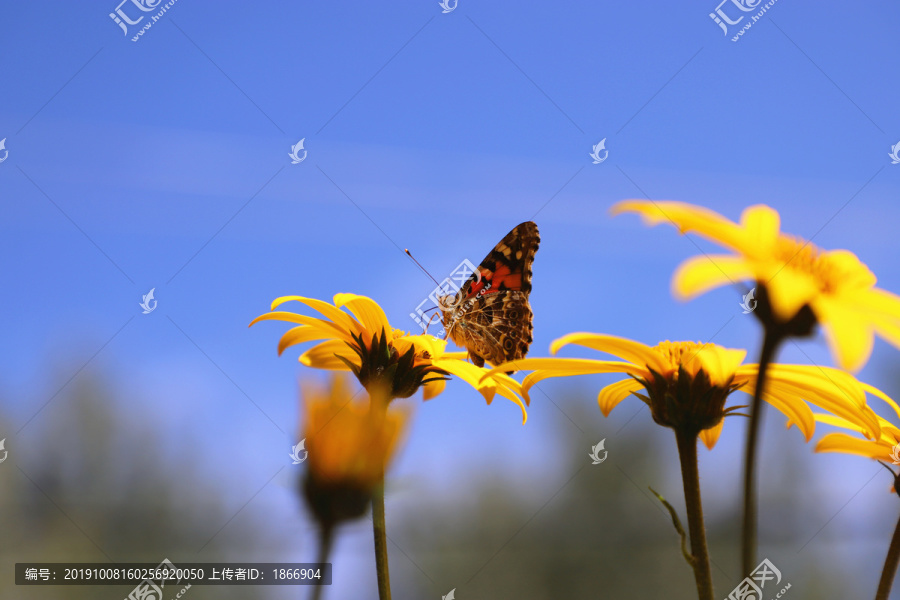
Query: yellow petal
column 336, row 315
column 876, row 392
column 580, row 365
column 290, row 317
column 630, row 350
column 322, row 356
column 841, row 442
column 849, row 334
column 299, row 335
column 796, row 411
column 880, row 301
column 836, row 422
column 506, row 393
column 701, row 274
column 473, row 376
column 855, row 275
column 610, row 396
column 824, row 393
column 686, row 217
column 789, row 289
column 433, row 389
column 422, row 343
column 762, row 226
column 367, row 312
column 721, row 364
column 711, row 436
column 565, row 367
column 887, row 328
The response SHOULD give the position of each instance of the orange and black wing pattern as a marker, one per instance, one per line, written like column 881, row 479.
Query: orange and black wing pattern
column 491, row 316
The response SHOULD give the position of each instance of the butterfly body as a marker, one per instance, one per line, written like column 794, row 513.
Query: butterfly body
column 490, row 315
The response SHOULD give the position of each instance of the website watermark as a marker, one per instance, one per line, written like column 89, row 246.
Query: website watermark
column 596, row 149
column 296, row 450
column 148, row 588
column 894, row 154
column 147, row 302
column 723, row 17
column 294, row 154
column 748, row 302
column 447, row 297
column 752, row 587
column 124, row 15
column 595, row 452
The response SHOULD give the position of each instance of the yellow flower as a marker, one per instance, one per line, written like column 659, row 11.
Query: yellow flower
column 364, row 342
column 350, row 441
column 880, row 448
column 687, row 383
column 838, row 288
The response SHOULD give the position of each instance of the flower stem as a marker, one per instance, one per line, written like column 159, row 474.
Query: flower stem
column 690, row 473
column 771, row 342
column 381, row 553
column 326, row 537
column 890, row 566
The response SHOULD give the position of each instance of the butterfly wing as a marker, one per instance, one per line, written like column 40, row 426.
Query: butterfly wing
column 491, row 316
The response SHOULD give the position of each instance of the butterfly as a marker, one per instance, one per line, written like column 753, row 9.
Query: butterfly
column 490, row 315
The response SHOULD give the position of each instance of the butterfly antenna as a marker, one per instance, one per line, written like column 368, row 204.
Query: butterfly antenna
column 418, row 264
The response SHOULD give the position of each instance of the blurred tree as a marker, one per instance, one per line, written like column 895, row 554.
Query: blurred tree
column 86, row 485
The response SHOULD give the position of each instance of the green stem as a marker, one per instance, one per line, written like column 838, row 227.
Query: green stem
column 381, row 553
column 771, row 342
column 890, row 566
column 326, row 538
column 690, row 473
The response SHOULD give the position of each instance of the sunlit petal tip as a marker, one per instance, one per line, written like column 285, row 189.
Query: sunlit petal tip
column 648, row 210
column 282, row 299
column 367, row 312
column 570, row 338
column 610, row 396
column 710, row 436
column 433, row 389
column 761, row 218
column 700, row 274
column 841, row 442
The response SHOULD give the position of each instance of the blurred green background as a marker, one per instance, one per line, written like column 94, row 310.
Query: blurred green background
column 104, row 487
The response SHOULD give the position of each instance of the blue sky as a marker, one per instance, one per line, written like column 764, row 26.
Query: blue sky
column 163, row 164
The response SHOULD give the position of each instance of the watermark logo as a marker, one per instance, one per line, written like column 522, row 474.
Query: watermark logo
column 148, row 588
column 599, row 147
column 446, row 295
column 6, row 152
column 895, row 153
column 121, row 18
column 448, row 8
column 895, row 453
column 749, row 302
column 3, row 448
column 595, row 452
column 751, row 588
column 451, row 595
column 146, row 300
column 296, row 450
column 723, row 17
column 296, row 159
column 124, row 19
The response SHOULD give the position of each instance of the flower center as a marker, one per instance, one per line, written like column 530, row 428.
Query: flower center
column 676, row 353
